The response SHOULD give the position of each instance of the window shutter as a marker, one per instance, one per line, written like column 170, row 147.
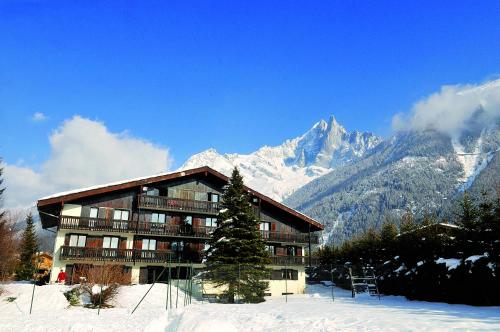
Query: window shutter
column 102, row 213
column 176, row 220
column 86, row 211
column 273, row 227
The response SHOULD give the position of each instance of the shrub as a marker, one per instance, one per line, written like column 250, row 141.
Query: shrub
column 101, row 284
column 73, row 296
column 11, row 299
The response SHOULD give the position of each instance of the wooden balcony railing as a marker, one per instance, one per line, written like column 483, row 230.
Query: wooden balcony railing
column 178, row 204
column 289, row 237
column 97, row 224
column 159, row 256
column 292, row 260
column 201, row 232
column 127, row 255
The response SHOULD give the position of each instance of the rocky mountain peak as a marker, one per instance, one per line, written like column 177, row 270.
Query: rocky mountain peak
column 280, row 170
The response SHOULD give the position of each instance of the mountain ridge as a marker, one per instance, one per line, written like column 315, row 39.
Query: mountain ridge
column 278, row 171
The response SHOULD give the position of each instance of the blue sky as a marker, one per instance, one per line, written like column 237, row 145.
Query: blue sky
column 233, row 75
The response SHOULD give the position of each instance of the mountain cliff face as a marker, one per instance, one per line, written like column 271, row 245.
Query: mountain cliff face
column 279, row 171
column 423, row 171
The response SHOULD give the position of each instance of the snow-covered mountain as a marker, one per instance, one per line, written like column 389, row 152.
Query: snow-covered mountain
column 424, row 171
column 280, row 170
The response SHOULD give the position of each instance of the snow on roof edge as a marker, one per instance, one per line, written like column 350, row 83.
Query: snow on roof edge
column 74, row 191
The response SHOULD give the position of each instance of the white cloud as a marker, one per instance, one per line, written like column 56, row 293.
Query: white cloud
column 38, row 117
column 83, row 153
column 451, row 109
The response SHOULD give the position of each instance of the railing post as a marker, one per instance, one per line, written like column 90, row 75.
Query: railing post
column 286, row 283
column 310, row 252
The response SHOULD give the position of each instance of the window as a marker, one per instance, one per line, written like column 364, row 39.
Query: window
column 178, row 246
column 94, row 212
column 148, row 244
column 76, row 240
column 152, row 191
column 121, row 215
column 265, row 226
column 291, row 251
column 110, row 242
column 213, row 197
column 188, row 220
column 158, row 218
column 211, row 222
column 270, row 248
column 284, row 274
column 200, row 196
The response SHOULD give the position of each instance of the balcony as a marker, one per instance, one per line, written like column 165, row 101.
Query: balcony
column 292, row 260
column 185, row 231
column 163, row 229
column 97, row 224
column 127, row 255
column 289, row 237
column 159, row 256
column 178, row 204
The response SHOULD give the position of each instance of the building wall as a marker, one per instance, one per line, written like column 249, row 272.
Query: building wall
column 126, row 200
column 277, row 288
column 58, row 265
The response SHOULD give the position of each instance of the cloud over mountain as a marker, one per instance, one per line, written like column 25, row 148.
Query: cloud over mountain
column 83, row 153
column 451, row 109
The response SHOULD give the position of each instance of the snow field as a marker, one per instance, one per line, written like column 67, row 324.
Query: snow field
column 314, row 311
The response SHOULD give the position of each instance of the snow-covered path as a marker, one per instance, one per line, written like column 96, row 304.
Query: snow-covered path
column 312, row 312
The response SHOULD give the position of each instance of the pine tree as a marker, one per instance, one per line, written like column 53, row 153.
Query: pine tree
column 408, row 223
column 388, row 231
column 29, row 247
column 237, row 255
column 468, row 215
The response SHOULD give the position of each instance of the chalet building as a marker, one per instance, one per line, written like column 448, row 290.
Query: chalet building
column 143, row 223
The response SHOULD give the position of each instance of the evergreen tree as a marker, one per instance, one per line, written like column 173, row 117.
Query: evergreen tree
column 237, row 255
column 408, row 223
column 29, row 247
column 468, row 214
column 388, row 231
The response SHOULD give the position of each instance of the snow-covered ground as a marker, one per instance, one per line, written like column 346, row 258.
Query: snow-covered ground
column 314, row 311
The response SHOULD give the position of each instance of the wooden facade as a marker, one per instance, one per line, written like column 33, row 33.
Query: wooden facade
column 164, row 218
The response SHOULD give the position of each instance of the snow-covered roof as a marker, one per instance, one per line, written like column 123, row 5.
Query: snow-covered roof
column 79, row 190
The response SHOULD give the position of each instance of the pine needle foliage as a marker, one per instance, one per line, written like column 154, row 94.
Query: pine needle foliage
column 29, row 247
column 237, row 257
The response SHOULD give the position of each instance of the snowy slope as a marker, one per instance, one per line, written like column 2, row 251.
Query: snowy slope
column 425, row 171
column 314, row 311
column 278, row 171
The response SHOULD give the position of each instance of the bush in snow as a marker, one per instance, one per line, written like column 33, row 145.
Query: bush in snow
column 101, row 284
column 73, row 296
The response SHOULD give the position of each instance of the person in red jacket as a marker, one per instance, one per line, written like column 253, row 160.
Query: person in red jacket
column 61, row 277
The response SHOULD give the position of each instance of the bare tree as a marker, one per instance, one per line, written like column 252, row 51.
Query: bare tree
column 8, row 246
column 107, row 277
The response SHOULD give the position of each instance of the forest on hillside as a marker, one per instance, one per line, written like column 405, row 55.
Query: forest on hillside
column 455, row 260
